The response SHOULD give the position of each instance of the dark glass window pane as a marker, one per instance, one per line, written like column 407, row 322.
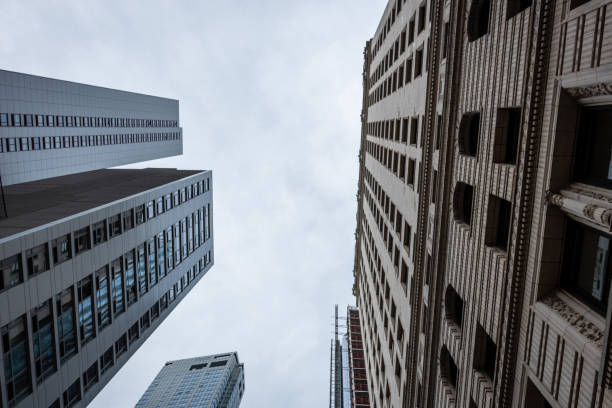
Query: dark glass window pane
column 103, row 298
column 586, row 265
column 594, row 146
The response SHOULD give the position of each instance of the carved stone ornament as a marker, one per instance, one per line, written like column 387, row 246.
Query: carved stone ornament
column 554, row 199
column 603, row 88
column 585, row 327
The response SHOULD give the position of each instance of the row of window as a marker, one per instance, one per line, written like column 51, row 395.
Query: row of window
column 507, row 135
column 400, row 130
column 22, row 144
column 40, row 120
column 37, row 259
column 403, row 75
column 399, row 164
column 395, row 11
column 15, row 348
column 400, row 44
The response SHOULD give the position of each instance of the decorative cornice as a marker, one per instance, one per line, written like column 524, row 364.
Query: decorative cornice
column 600, row 89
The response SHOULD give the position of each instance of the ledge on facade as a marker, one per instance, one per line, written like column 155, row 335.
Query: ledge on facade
column 580, row 326
column 589, row 203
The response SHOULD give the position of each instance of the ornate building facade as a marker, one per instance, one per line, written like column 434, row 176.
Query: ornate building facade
column 482, row 261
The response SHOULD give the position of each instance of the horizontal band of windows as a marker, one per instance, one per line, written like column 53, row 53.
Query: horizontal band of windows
column 65, row 247
column 22, row 144
column 39, row 120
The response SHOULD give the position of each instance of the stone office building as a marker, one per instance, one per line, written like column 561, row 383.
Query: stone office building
column 91, row 259
column 488, row 284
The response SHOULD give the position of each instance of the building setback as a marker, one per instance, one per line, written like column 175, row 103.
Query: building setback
column 482, row 259
column 91, row 261
column 207, row 382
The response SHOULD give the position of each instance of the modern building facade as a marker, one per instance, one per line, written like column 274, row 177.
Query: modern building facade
column 488, row 284
column 215, row 381
column 52, row 128
column 91, row 262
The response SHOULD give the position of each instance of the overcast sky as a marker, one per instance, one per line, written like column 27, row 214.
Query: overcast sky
column 270, row 97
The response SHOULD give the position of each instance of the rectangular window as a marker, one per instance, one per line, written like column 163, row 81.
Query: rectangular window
column 169, row 250
column 103, row 298
column 151, row 262
column 87, row 327
column 154, row 311
column 99, row 232
column 117, row 287
column 16, row 119
column 184, row 241
column 114, row 225
column 175, row 198
column 42, row 341
column 411, row 171
column 140, row 214
column 65, row 324
column 133, row 333
column 206, row 222
column 414, row 130
column 130, row 281
column 121, row 345
column 128, row 219
column 593, row 164
column 141, row 269
column 16, row 360
column 159, row 206
column 37, row 259
column 507, row 135
column 82, row 241
column 11, row 145
column 3, row 119
column 145, row 321
column 418, row 63
column 196, row 228
column 36, row 143
column 422, row 19
column 90, row 377
column 107, row 360
column 485, row 353
column 163, row 302
column 183, row 194
column 150, row 210
column 73, row 394
column 498, row 222
column 11, row 272
column 60, row 247
column 159, row 260
column 586, row 268
column 168, row 201
column 176, row 229
column 200, row 227
column 24, row 143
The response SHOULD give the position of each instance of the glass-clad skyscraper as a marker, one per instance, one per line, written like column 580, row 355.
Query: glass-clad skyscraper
column 215, row 381
column 91, row 259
